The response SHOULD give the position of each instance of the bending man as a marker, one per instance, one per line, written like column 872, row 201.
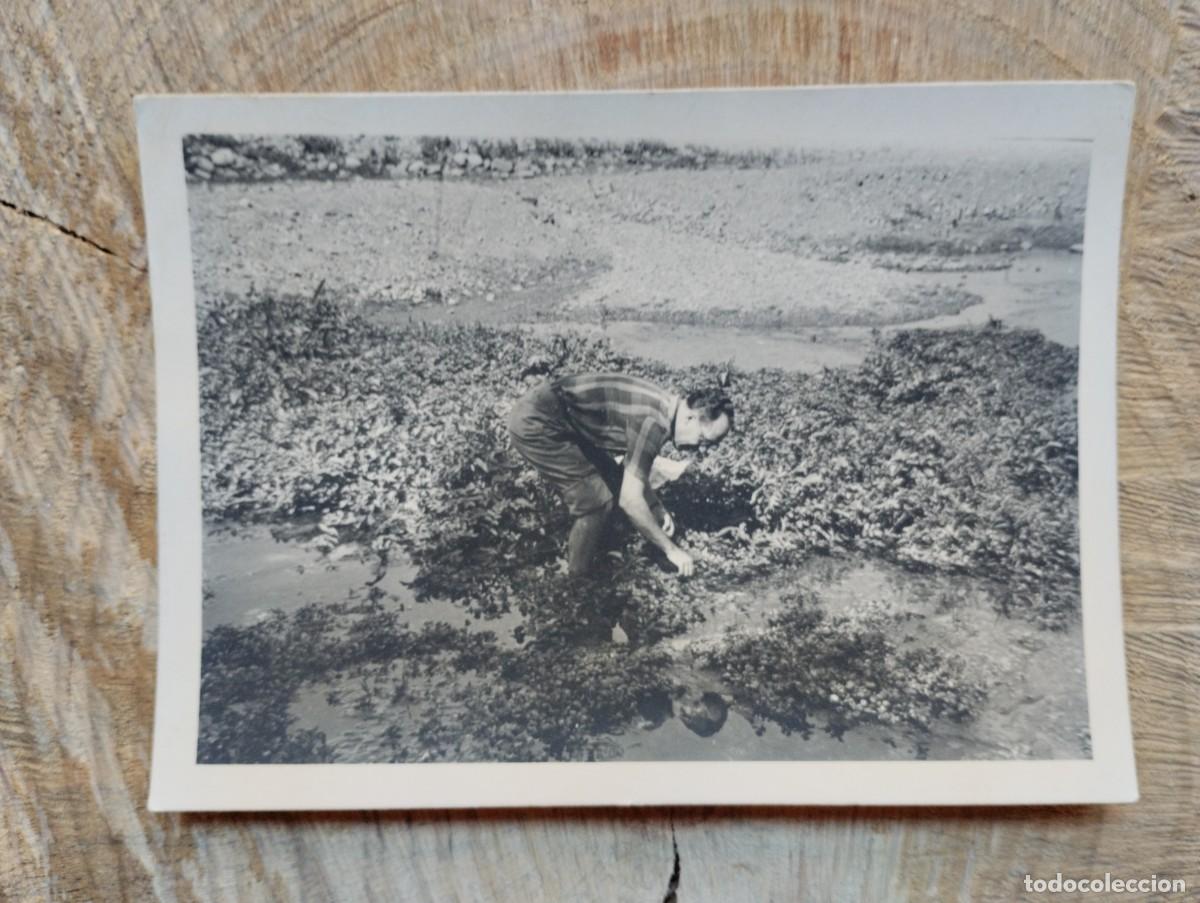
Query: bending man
column 570, row 428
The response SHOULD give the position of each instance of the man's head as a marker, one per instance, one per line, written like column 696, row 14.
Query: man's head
column 704, row 418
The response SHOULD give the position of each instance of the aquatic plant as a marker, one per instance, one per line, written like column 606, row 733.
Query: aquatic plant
column 947, row 451
column 847, row 670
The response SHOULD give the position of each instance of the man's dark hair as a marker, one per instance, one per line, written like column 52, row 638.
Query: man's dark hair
column 711, row 403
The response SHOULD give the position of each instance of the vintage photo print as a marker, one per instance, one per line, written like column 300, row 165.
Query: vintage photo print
column 528, row 449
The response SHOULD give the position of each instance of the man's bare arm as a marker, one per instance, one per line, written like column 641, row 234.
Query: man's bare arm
column 655, row 506
column 659, row 512
column 633, row 503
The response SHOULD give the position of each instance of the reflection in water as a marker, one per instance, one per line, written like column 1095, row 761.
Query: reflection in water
column 248, row 573
column 704, row 716
column 647, row 698
column 1037, row 702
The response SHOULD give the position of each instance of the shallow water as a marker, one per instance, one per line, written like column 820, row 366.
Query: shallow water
column 686, row 346
column 248, row 573
column 1036, row 706
column 1041, row 291
column 1037, row 703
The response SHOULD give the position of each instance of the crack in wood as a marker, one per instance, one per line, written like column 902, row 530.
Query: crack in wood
column 673, row 882
column 71, row 233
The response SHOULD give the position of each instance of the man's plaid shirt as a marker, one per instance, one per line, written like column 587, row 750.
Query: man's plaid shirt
column 620, row 414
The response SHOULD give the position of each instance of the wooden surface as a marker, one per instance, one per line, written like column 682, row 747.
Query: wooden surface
column 77, row 524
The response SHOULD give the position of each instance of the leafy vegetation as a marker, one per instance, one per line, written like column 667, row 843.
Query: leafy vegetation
column 848, row 668
column 440, row 692
column 953, row 451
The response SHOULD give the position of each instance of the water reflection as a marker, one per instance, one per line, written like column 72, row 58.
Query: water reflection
column 596, row 683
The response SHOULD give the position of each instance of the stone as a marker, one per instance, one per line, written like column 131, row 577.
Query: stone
column 474, row 161
column 203, row 164
column 460, row 159
column 223, row 156
column 352, row 162
column 502, row 165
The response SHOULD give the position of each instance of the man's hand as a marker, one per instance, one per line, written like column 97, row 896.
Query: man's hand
column 682, row 560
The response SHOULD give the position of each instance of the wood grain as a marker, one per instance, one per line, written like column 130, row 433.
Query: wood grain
column 77, row 530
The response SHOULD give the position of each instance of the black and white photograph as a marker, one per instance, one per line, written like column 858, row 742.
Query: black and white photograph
column 567, row 448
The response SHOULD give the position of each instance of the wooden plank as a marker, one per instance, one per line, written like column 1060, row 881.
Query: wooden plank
column 77, row 541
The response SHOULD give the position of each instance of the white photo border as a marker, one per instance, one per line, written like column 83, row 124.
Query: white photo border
column 951, row 113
